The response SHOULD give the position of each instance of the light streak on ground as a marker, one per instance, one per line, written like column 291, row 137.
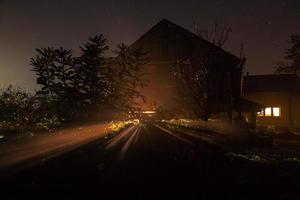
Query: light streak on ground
column 129, row 137
column 174, row 135
column 119, row 138
column 49, row 145
column 137, row 135
column 132, row 140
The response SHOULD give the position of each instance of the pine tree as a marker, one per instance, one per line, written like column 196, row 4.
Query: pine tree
column 92, row 71
column 127, row 77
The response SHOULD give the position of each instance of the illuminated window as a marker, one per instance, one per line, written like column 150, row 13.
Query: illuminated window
column 276, row 111
column 260, row 113
column 268, row 112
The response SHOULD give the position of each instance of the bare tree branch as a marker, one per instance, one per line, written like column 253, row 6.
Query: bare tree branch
column 218, row 34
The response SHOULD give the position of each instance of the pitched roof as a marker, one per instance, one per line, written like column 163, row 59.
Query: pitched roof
column 271, row 83
column 167, row 41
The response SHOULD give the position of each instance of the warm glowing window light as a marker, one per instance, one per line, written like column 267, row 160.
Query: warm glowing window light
column 260, row 113
column 268, row 112
column 276, row 111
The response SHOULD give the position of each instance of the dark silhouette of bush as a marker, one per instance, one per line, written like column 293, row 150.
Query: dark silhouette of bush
column 22, row 111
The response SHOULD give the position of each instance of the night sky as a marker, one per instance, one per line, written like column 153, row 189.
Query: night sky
column 262, row 26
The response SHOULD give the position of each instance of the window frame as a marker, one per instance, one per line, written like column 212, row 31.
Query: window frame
column 262, row 113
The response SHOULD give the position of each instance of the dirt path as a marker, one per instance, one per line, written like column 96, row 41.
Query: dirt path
column 50, row 144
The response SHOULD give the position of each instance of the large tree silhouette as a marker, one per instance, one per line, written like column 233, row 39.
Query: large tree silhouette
column 73, row 83
column 128, row 77
column 203, row 82
column 90, row 81
column 92, row 72
column 55, row 71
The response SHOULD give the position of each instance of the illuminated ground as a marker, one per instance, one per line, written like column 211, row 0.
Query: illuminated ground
column 50, row 144
column 150, row 161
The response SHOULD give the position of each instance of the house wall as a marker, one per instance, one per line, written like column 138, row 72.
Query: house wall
column 295, row 110
column 289, row 108
column 160, row 91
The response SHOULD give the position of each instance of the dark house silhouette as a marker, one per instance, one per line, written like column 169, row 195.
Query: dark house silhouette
column 165, row 44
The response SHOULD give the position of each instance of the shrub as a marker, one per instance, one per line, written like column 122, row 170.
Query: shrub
column 20, row 110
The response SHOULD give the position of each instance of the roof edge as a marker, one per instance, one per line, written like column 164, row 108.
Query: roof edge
column 164, row 20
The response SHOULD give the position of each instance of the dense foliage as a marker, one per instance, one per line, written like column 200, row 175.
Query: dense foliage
column 83, row 85
column 127, row 77
column 20, row 110
column 74, row 88
column 195, row 86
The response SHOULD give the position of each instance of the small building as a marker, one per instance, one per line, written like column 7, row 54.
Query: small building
column 280, row 96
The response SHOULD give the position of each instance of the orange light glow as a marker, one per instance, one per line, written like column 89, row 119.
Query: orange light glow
column 149, row 112
column 276, row 111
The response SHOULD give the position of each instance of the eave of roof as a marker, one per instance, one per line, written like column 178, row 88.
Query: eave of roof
column 271, row 83
column 245, row 105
